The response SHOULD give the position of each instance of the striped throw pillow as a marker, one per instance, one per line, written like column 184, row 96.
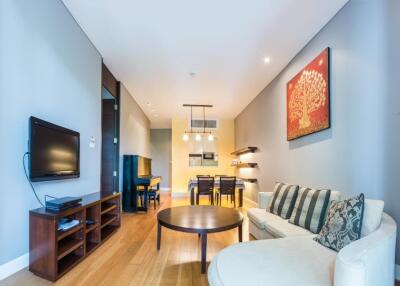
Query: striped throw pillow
column 309, row 210
column 283, row 200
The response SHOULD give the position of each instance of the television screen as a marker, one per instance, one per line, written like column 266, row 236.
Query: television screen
column 54, row 151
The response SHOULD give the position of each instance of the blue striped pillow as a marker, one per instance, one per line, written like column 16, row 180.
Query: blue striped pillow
column 310, row 207
column 283, row 199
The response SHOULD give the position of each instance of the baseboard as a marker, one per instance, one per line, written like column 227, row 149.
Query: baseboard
column 249, row 202
column 13, row 266
column 397, row 272
column 180, row 194
column 165, row 189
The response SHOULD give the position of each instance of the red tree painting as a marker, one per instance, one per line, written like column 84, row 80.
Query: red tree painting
column 308, row 99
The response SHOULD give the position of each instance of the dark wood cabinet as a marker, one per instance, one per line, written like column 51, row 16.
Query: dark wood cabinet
column 52, row 253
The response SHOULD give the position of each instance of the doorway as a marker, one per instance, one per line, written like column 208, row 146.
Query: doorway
column 110, row 133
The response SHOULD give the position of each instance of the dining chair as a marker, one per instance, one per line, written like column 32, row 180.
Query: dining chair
column 227, row 186
column 205, row 186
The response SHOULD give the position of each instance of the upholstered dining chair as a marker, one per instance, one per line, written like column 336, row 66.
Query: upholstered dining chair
column 205, row 186
column 227, row 186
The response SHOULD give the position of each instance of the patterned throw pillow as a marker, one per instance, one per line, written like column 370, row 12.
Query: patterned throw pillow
column 343, row 224
column 309, row 210
column 283, row 200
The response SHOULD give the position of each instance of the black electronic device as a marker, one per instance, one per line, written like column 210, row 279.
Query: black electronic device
column 60, row 204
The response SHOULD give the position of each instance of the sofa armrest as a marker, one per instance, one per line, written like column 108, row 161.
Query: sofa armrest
column 263, row 199
column 369, row 260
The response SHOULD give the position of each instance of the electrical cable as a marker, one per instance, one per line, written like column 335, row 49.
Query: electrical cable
column 27, row 177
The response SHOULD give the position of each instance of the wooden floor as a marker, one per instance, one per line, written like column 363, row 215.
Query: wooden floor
column 130, row 256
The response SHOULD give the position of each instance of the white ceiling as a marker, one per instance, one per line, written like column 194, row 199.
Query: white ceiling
column 152, row 46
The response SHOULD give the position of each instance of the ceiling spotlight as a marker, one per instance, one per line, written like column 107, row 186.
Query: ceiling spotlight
column 198, row 137
column 267, row 60
column 210, row 137
column 185, row 137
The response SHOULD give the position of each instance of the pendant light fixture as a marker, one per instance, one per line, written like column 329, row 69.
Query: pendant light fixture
column 198, row 136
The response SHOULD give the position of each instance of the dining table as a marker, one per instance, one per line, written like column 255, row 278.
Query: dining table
column 193, row 183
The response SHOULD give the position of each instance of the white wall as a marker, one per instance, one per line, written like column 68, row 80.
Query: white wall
column 134, row 129
column 161, row 155
column 49, row 69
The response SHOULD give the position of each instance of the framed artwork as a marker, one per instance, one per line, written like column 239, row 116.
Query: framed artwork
column 308, row 106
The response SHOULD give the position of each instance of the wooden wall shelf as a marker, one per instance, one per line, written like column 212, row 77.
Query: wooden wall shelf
column 244, row 151
column 246, row 165
column 249, row 180
column 53, row 253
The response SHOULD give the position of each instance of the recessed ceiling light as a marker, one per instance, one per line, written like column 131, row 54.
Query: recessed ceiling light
column 267, row 60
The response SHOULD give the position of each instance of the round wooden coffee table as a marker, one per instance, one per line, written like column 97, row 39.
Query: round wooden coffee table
column 201, row 220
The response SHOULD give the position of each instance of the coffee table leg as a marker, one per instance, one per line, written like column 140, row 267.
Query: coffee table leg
column 192, row 196
column 158, row 236
column 240, row 198
column 240, row 233
column 203, row 252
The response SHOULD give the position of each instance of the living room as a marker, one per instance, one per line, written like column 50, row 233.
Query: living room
column 161, row 99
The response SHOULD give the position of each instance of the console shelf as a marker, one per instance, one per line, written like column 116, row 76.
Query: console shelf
column 53, row 253
column 89, row 228
column 68, row 245
column 61, row 234
column 107, row 208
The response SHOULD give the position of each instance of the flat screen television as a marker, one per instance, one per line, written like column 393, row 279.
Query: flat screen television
column 54, row 151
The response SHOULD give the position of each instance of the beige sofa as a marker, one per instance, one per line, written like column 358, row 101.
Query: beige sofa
column 294, row 258
column 264, row 225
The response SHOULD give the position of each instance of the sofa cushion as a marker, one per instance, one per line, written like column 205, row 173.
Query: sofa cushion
column 282, row 228
column 286, row 261
column 283, row 199
column 274, row 224
column 260, row 216
column 373, row 210
column 310, row 208
column 343, row 224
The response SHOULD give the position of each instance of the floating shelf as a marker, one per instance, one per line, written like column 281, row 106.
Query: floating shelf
column 244, row 150
column 246, row 165
column 249, row 180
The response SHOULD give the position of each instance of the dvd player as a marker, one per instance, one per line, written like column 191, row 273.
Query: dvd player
column 62, row 203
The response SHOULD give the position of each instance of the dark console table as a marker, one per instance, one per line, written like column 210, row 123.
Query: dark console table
column 53, row 253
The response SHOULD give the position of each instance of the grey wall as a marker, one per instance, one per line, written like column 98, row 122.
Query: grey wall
column 134, row 129
column 48, row 69
column 358, row 153
column 391, row 125
column 161, row 153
